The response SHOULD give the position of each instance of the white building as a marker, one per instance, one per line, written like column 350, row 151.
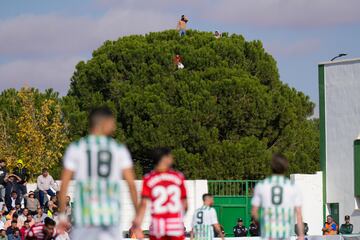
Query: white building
column 339, row 91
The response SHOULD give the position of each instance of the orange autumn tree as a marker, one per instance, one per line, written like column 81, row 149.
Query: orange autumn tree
column 41, row 133
column 6, row 146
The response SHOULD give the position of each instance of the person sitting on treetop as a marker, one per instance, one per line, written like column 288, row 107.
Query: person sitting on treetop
column 181, row 26
column 178, row 61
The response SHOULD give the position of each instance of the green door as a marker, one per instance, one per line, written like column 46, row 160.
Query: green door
column 334, row 211
column 229, row 209
column 232, row 201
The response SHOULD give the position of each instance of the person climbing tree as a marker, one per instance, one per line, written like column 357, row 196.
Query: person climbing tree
column 178, row 61
column 181, row 26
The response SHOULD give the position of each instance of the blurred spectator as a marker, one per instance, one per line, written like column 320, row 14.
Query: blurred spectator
column 13, row 201
column 31, row 220
column 347, row 227
column 44, row 183
column 240, row 230
column 2, row 216
column 40, row 216
column 24, row 228
column 15, row 235
column 11, row 185
column 3, row 235
column 18, row 209
column 3, row 172
column 2, row 224
column 52, row 209
column 68, row 210
column 217, row 34
column 306, row 229
column 22, row 173
column 254, row 229
column 181, row 26
column 11, row 229
column 32, row 203
column 330, row 226
column 23, row 217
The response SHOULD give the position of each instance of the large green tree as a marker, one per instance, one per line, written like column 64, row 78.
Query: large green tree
column 224, row 114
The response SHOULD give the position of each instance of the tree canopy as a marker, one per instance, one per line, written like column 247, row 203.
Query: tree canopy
column 224, row 114
column 32, row 129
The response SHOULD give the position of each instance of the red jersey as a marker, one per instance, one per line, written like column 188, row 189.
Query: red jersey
column 166, row 191
column 37, row 232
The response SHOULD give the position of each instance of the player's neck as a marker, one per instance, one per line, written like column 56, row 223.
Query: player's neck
column 97, row 133
column 162, row 169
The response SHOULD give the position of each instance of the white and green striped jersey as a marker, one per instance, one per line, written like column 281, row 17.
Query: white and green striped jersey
column 97, row 163
column 202, row 223
column 277, row 197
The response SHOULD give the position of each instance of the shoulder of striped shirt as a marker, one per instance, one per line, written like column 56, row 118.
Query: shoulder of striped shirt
column 86, row 138
column 205, row 208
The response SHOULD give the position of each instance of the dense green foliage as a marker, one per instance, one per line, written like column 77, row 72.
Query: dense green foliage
column 224, row 114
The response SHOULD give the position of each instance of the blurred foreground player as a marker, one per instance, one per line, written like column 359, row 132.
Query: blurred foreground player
column 98, row 164
column 279, row 202
column 164, row 188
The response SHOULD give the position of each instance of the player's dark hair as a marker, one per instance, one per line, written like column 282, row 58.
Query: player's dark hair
column 98, row 114
column 279, row 164
column 206, row 195
column 49, row 222
column 159, row 153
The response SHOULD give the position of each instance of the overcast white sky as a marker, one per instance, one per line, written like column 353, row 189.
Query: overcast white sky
column 41, row 41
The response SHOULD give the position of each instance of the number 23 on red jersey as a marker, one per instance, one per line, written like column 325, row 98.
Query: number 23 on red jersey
column 166, row 191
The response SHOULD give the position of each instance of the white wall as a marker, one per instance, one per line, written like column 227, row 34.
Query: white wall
column 311, row 189
column 342, row 121
column 195, row 190
column 310, row 185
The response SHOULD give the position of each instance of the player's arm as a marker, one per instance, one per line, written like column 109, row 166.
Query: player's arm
column 128, row 174
column 255, row 212
column 298, row 211
column 300, row 224
column 140, row 213
column 129, row 177
column 215, row 223
column 256, row 202
column 184, row 195
column 185, row 204
column 66, row 177
column 70, row 164
column 218, row 230
column 192, row 234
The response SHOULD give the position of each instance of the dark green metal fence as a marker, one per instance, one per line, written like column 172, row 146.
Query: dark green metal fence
column 232, row 201
column 231, row 187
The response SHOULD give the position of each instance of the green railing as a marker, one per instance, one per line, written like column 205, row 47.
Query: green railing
column 233, row 188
